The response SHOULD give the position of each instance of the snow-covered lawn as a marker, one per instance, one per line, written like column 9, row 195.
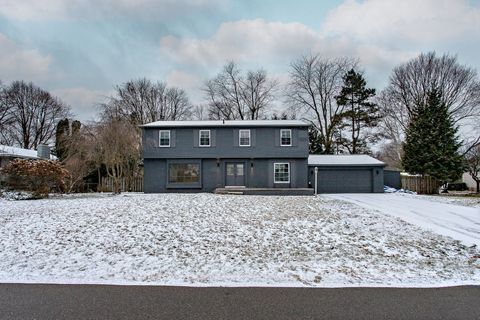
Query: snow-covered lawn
column 207, row 239
column 442, row 215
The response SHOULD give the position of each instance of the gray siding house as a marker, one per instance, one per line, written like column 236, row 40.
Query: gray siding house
column 189, row 156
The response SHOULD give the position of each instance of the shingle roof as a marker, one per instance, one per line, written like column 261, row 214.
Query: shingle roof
column 228, row 123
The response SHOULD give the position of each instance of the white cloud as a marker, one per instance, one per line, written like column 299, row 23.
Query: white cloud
column 243, row 40
column 25, row 10
column 84, row 101
column 190, row 82
column 19, row 63
column 392, row 21
column 273, row 45
column 176, row 78
column 34, row 10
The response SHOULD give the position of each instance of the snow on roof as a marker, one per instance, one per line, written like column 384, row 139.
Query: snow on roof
column 8, row 151
column 227, row 123
column 343, row 160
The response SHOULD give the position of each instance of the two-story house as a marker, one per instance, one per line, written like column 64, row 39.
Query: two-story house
column 182, row 156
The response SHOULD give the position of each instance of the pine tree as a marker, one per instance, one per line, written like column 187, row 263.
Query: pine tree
column 431, row 145
column 315, row 142
column 359, row 115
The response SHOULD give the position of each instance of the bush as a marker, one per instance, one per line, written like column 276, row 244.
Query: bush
column 37, row 176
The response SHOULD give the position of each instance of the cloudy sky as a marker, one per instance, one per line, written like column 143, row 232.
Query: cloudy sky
column 80, row 49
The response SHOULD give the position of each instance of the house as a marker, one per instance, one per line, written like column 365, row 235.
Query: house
column 206, row 155
column 8, row 153
column 250, row 156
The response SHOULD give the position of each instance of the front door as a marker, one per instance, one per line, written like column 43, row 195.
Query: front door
column 235, row 174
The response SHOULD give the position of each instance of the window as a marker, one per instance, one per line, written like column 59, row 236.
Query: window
column 285, row 137
column 204, row 138
column 282, row 173
column 244, row 138
column 164, row 138
column 184, row 173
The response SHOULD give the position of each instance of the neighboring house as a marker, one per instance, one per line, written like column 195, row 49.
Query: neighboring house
column 471, row 184
column 8, row 153
column 263, row 155
column 205, row 155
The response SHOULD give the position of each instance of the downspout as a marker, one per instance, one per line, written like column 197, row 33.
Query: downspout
column 316, row 174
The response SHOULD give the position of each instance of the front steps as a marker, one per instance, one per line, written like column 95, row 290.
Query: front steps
column 266, row 191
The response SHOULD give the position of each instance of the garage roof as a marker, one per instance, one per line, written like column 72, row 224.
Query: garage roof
column 351, row 160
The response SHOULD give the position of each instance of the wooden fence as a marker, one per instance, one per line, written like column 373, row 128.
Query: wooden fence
column 130, row 185
column 421, row 185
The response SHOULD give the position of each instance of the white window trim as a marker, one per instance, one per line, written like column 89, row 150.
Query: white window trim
column 249, row 138
column 200, row 138
column 288, row 166
column 291, row 138
column 169, row 139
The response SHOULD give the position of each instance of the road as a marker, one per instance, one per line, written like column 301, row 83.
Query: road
column 33, row 301
column 456, row 221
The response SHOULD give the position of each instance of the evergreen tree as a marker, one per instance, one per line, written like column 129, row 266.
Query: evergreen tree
column 431, row 145
column 61, row 135
column 315, row 142
column 359, row 115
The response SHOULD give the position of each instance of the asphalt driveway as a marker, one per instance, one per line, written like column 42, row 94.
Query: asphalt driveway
column 33, row 301
column 457, row 221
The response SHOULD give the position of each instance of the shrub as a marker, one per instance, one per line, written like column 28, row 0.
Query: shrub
column 37, row 176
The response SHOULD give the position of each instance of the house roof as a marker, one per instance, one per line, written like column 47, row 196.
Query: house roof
column 14, row 152
column 351, row 160
column 227, row 123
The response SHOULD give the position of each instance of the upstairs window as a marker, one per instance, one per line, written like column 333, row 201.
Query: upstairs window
column 204, row 138
column 285, row 137
column 244, row 138
column 164, row 138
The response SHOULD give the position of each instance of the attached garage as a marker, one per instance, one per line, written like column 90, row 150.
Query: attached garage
column 345, row 174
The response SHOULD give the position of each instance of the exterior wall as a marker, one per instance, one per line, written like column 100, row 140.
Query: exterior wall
column 349, row 179
column 471, row 184
column 392, row 179
column 265, row 143
column 259, row 173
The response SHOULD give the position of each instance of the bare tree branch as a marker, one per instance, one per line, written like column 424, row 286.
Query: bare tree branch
column 33, row 114
column 141, row 101
column 314, row 84
column 410, row 83
column 232, row 95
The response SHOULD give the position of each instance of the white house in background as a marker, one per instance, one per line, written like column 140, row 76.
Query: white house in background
column 8, row 153
column 467, row 178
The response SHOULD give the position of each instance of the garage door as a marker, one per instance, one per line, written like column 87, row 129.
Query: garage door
column 345, row 181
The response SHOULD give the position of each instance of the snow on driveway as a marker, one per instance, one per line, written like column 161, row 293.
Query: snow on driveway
column 227, row 240
column 456, row 221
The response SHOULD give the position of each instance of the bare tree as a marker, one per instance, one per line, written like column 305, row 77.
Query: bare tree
column 473, row 164
column 232, row 95
column 118, row 149
column 314, row 84
column 459, row 87
column 81, row 156
column 5, row 114
column 34, row 114
column 200, row 112
column 142, row 101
